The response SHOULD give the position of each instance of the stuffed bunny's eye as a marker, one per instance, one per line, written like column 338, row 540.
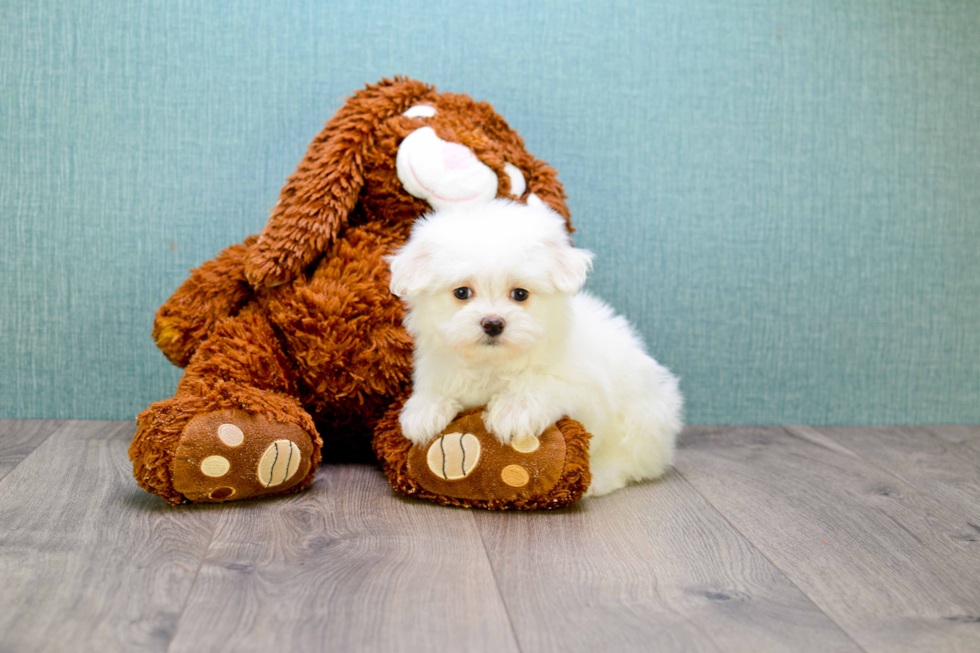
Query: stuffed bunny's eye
column 517, row 182
column 462, row 293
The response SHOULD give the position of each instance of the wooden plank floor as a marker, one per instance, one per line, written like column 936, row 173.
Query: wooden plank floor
column 762, row 539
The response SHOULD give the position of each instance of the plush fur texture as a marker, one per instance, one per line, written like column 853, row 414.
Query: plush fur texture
column 495, row 309
column 298, row 324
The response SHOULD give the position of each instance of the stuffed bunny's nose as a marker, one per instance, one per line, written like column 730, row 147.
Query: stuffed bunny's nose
column 456, row 156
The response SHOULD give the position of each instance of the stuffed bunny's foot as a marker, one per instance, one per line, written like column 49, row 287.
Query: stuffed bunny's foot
column 467, row 465
column 231, row 454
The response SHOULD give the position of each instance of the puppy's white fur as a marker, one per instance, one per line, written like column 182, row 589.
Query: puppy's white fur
column 561, row 352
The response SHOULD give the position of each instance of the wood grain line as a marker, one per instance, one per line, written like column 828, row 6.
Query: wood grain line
column 19, row 437
column 945, row 469
column 880, row 557
column 651, row 567
column 346, row 565
column 90, row 562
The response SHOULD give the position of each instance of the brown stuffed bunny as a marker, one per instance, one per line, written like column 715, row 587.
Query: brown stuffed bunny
column 294, row 333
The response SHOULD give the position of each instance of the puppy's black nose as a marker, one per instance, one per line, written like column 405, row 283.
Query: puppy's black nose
column 492, row 325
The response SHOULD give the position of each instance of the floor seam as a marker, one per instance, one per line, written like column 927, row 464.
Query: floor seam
column 58, row 426
column 888, row 472
column 496, row 582
column 190, row 590
column 769, row 560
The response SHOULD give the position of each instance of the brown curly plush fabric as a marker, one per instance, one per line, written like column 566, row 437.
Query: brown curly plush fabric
column 297, row 324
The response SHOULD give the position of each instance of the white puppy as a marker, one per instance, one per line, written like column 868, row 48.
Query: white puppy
column 498, row 319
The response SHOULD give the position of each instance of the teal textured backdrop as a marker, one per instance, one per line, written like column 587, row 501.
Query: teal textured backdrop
column 783, row 196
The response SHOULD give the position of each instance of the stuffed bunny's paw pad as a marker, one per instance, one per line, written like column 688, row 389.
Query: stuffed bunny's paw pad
column 231, row 454
column 467, row 461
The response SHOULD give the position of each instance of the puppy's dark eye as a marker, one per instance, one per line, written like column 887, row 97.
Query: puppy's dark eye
column 518, row 294
column 462, row 293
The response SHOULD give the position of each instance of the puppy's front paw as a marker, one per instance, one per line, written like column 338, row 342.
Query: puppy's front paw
column 518, row 416
column 423, row 419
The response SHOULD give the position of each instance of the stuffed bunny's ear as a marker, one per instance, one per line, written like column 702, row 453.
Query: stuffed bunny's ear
column 317, row 199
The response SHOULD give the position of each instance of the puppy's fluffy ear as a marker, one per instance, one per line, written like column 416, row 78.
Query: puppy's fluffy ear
column 411, row 269
column 571, row 268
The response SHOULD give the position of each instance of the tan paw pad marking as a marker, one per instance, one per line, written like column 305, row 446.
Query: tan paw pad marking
column 279, row 462
column 222, row 493
column 514, row 476
column 231, row 435
column 215, row 466
column 526, row 445
column 454, row 455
